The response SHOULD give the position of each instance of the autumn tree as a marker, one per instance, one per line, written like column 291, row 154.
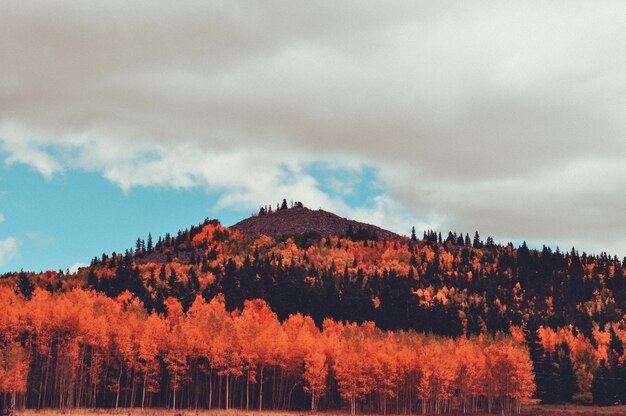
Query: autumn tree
column 315, row 376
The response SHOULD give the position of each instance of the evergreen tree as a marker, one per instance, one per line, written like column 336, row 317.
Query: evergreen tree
column 616, row 347
column 92, row 280
column 138, row 245
column 163, row 273
column 194, row 282
column 189, row 290
column 230, row 285
column 538, row 358
column 175, row 286
column 567, row 376
column 476, row 243
column 616, row 369
column 620, row 383
column 25, row 286
column 600, row 386
column 552, row 389
column 159, row 302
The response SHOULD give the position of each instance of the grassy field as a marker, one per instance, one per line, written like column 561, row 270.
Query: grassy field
column 573, row 410
column 531, row 410
column 165, row 412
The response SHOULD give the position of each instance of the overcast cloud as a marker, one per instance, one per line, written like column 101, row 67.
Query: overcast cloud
column 506, row 117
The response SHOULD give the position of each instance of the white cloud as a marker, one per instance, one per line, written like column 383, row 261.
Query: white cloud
column 74, row 267
column 386, row 212
column 41, row 240
column 22, row 148
column 8, row 250
column 2, row 218
column 507, row 117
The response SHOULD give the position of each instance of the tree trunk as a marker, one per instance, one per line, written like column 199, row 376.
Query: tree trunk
column 227, row 383
column 143, row 395
column 248, row 392
column 133, row 387
column 119, row 387
column 210, row 389
column 261, row 389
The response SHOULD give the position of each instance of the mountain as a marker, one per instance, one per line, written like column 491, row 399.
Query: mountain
column 315, row 263
column 300, row 220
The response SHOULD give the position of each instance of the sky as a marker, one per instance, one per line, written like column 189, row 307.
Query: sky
column 121, row 118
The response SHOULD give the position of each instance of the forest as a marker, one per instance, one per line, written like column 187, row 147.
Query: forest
column 84, row 349
column 211, row 317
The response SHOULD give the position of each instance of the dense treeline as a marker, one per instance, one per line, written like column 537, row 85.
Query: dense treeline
column 568, row 307
column 83, row 349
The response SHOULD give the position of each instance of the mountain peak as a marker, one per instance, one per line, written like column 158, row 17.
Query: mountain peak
column 299, row 219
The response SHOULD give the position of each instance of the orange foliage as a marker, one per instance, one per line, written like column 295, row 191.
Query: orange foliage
column 90, row 346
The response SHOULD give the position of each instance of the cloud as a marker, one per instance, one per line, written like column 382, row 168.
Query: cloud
column 507, row 117
column 22, row 150
column 74, row 267
column 8, row 250
column 2, row 218
column 41, row 240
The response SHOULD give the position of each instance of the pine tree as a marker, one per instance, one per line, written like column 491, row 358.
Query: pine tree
column 616, row 350
column 92, row 280
column 25, row 286
column 163, row 273
column 600, row 386
column 567, row 376
column 616, row 346
column 537, row 356
column 476, row 243
column 552, row 389
column 194, row 283
column 173, row 284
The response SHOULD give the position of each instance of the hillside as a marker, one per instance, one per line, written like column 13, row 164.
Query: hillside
column 300, row 220
column 569, row 308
